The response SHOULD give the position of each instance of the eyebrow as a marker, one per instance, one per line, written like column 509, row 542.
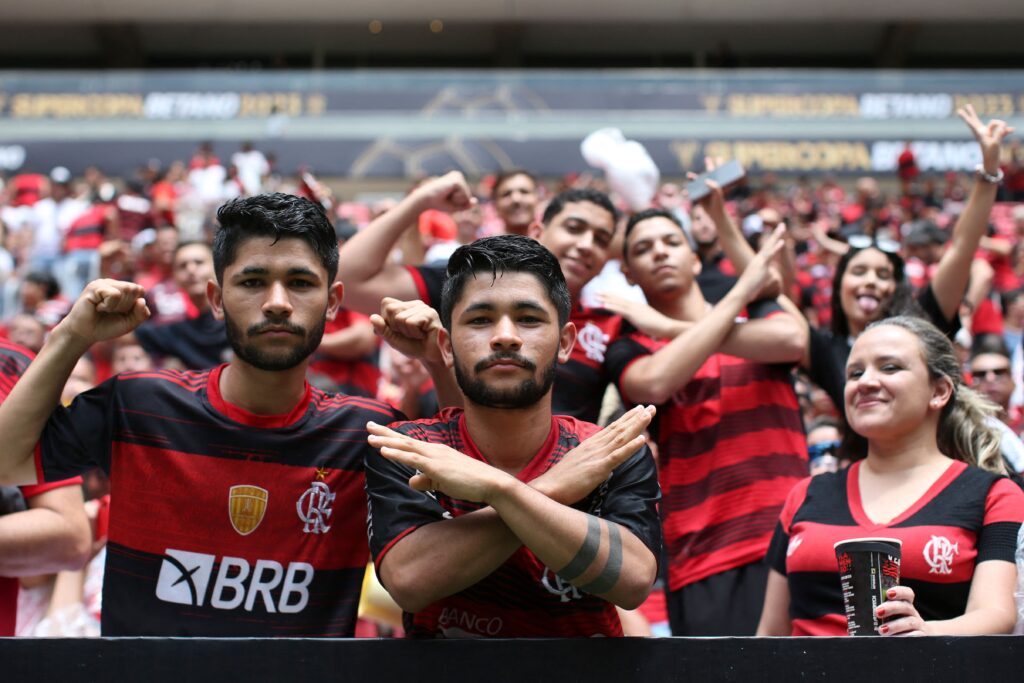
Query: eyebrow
column 261, row 270
column 525, row 304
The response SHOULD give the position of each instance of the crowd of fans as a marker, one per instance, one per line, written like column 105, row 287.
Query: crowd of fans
column 750, row 319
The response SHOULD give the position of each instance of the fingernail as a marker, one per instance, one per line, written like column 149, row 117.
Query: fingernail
column 880, row 611
column 891, row 593
column 883, row 629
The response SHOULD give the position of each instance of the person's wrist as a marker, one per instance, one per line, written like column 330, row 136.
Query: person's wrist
column 66, row 339
column 500, row 488
column 983, row 172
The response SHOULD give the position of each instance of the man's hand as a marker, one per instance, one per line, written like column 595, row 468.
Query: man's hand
column 642, row 316
column 758, row 273
column 449, row 192
column 989, row 136
column 410, row 327
column 439, row 467
column 106, row 309
column 585, row 467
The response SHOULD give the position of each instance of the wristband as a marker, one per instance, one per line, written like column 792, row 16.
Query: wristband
column 979, row 170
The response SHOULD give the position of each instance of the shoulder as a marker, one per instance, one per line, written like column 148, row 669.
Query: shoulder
column 440, row 427
column 572, row 428
column 149, row 380
column 361, row 407
column 602, row 318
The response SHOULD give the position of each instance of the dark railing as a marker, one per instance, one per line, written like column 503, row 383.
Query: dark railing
column 746, row 660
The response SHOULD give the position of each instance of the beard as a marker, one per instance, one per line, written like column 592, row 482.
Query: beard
column 278, row 359
column 526, row 394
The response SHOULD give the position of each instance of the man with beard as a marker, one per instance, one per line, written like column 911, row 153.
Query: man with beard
column 238, row 492
column 482, row 523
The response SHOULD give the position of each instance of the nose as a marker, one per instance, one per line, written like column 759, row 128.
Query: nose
column 505, row 336
column 277, row 304
column 585, row 242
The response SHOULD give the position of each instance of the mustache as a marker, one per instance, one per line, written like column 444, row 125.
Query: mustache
column 283, row 325
column 504, row 355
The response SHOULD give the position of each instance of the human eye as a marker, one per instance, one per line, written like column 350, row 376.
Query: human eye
column 251, row 283
column 854, row 373
column 858, row 270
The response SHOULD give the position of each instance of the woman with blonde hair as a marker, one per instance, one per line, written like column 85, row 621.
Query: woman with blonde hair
column 929, row 474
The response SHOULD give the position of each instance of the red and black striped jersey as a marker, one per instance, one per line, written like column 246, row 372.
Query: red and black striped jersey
column 580, row 383
column 222, row 522
column 730, row 447
column 522, row 598
column 14, row 360
column 967, row 516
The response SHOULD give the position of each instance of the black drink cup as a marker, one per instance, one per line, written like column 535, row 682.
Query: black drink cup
column 868, row 567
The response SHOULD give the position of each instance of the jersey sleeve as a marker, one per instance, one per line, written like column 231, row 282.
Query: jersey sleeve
column 1004, row 513
column 631, row 499
column 930, row 305
column 763, row 308
column 429, row 281
column 779, row 544
column 78, row 437
column 394, row 508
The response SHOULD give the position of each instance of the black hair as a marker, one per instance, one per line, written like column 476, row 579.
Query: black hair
column 498, row 255
column 191, row 243
column 640, row 217
column 274, row 215
column 1007, row 298
column 989, row 343
column 901, row 303
column 575, row 196
column 48, row 282
column 511, row 173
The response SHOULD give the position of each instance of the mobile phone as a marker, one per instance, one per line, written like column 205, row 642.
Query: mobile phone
column 724, row 175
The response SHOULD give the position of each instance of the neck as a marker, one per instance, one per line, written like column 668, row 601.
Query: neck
column 262, row 392
column 509, row 438
column 686, row 305
column 905, row 453
column 708, row 251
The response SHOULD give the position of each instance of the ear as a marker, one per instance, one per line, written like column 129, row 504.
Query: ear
column 216, row 298
column 942, row 393
column 697, row 265
column 566, row 340
column 444, row 342
column 335, row 293
column 535, row 230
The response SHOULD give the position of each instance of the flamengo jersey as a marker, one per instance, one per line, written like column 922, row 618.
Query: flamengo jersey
column 966, row 517
column 222, row 523
column 522, row 598
column 730, row 447
column 580, row 382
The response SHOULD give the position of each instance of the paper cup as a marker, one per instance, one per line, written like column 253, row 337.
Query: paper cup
column 868, row 567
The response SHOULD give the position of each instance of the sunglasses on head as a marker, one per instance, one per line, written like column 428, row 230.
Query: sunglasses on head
column 823, row 448
column 864, row 241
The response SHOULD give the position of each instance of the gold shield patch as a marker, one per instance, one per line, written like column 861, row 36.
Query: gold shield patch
column 246, row 507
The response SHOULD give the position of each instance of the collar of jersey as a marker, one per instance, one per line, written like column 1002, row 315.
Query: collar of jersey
column 243, row 416
column 538, row 463
column 955, row 468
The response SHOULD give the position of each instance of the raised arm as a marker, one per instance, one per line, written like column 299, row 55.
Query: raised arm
column 950, row 280
column 654, row 378
column 442, row 558
column 363, row 261
column 106, row 309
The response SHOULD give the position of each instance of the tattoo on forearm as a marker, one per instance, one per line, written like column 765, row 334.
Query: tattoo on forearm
column 609, row 576
column 586, row 554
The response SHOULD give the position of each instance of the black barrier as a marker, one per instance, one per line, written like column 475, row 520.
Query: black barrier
column 155, row 660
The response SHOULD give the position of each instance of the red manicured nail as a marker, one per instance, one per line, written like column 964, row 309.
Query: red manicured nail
column 880, row 611
column 891, row 593
column 883, row 629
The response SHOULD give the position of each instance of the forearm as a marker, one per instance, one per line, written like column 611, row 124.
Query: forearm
column 447, row 388
column 736, row 248
column 655, row 378
column 352, row 343
column 41, row 541
column 779, row 339
column 597, row 556
column 951, row 277
column 441, row 559
column 365, row 254
column 979, row 622
column 24, row 413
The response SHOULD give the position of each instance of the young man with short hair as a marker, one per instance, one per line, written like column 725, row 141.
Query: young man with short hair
column 238, row 499
column 489, row 521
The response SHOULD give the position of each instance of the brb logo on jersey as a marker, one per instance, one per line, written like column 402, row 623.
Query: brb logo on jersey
column 939, row 553
column 314, row 508
column 593, row 341
column 185, row 579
